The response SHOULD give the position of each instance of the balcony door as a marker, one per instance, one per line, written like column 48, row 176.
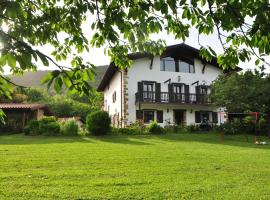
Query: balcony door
column 178, row 92
column 149, row 91
column 202, row 94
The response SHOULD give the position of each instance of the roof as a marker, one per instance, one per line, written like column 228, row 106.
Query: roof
column 178, row 49
column 25, row 106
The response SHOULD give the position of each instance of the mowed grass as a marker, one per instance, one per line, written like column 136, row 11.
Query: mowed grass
column 180, row 166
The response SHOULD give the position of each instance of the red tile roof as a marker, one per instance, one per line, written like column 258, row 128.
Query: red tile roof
column 27, row 106
column 31, row 106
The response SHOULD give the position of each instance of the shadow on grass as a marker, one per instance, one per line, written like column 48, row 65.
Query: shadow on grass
column 215, row 138
column 21, row 139
column 210, row 138
column 123, row 139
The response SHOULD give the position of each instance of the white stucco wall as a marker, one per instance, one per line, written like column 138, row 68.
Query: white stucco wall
column 114, row 85
column 140, row 71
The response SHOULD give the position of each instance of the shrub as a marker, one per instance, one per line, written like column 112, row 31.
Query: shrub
column 263, row 126
column 232, row 128
column 192, row 128
column 127, row 131
column 32, row 128
column 98, row 123
column 70, row 127
column 52, row 128
column 49, row 126
column 249, row 124
column 174, row 128
column 155, row 128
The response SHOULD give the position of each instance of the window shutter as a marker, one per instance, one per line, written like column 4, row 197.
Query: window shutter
column 157, row 92
column 160, row 116
column 198, row 94
column 140, row 90
column 139, row 114
column 170, row 90
column 215, row 117
column 197, row 117
column 187, row 93
column 140, row 86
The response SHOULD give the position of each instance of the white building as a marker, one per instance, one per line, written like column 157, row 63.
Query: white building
column 171, row 88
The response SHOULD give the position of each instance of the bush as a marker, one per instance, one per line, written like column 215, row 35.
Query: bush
column 52, row 128
column 249, row 124
column 155, row 128
column 49, row 126
column 127, row 131
column 98, row 123
column 174, row 129
column 192, row 128
column 263, row 126
column 32, row 128
column 70, row 127
column 232, row 127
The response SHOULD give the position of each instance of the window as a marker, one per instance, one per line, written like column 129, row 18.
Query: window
column 201, row 116
column 148, row 87
column 139, row 114
column 177, row 89
column 186, row 67
column 114, row 97
column 160, row 116
column 148, row 116
column 205, row 117
column 172, row 65
column 148, row 91
column 203, row 90
column 167, row 64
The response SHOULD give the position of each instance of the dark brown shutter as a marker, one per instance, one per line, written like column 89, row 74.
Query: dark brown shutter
column 157, row 92
column 139, row 114
column 197, row 117
column 170, row 90
column 160, row 116
column 140, row 90
column 215, row 117
column 198, row 94
column 187, row 93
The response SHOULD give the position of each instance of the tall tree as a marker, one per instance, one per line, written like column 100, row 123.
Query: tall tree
column 244, row 92
column 123, row 26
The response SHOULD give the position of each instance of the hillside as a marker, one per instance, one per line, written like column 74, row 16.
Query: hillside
column 32, row 79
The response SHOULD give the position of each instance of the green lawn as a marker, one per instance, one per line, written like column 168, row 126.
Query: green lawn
column 183, row 166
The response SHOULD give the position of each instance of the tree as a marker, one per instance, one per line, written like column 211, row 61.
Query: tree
column 123, row 26
column 244, row 92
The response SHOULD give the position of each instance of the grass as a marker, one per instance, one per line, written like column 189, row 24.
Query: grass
column 187, row 166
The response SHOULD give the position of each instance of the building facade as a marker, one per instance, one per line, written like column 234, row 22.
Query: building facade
column 173, row 88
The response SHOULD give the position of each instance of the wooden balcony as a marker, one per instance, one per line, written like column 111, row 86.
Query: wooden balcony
column 166, row 97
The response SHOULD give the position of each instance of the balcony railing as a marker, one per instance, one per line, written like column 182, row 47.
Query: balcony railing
column 166, row 97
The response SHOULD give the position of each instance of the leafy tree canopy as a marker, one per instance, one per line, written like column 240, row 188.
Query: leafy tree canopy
column 123, row 26
column 244, row 92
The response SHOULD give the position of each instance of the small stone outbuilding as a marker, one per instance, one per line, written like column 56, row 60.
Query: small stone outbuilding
column 19, row 114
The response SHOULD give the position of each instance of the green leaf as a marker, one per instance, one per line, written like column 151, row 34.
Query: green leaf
column 257, row 62
column 11, row 60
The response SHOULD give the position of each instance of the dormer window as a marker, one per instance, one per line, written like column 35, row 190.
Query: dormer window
column 177, row 65
column 186, row 67
column 167, row 64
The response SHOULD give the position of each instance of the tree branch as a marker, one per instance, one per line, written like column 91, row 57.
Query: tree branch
column 216, row 24
column 12, row 83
